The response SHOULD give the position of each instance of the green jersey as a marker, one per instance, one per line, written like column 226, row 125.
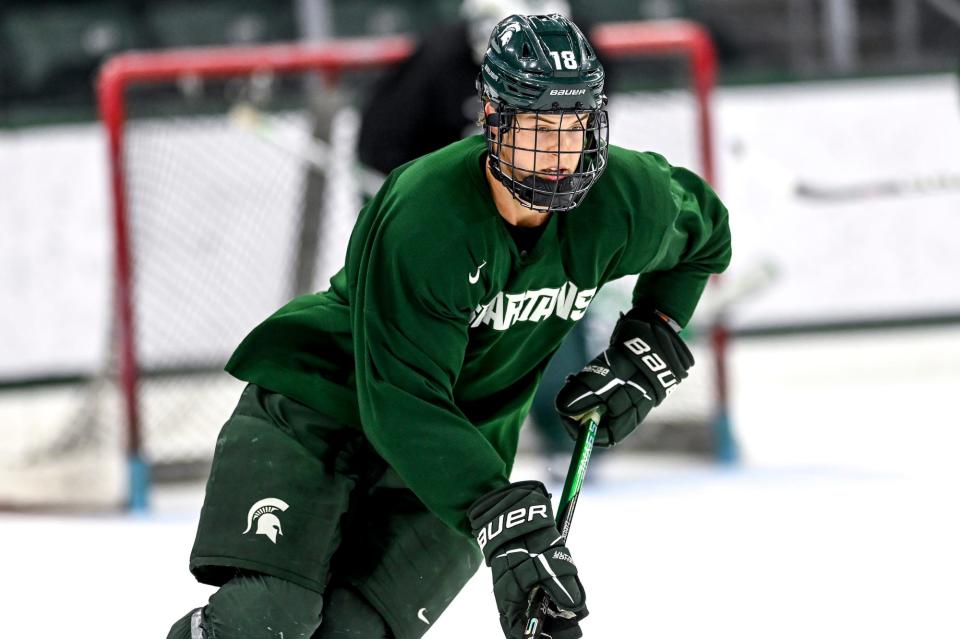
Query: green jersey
column 434, row 335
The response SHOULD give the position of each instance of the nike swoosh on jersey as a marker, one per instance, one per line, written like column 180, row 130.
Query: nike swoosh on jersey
column 473, row 278
column 421, row 615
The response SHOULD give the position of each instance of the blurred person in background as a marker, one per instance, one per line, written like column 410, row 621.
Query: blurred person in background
column 430, row 100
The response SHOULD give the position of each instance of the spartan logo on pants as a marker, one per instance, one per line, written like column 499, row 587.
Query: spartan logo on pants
column 267, row 522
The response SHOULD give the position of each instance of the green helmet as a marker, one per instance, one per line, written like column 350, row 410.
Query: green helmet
column 543, row 65
column 536, row 63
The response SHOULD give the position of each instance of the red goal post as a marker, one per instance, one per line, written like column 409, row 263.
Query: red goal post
column 128, row 69
column 671, row 37
column 329, row 60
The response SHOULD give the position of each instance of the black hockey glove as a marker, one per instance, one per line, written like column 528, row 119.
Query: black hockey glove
column 644, row 363
column 519, row 539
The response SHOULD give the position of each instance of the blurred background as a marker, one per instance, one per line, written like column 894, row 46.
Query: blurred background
column 172, row 172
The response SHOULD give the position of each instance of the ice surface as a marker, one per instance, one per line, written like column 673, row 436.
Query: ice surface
column 694, row 552
column 842, row 522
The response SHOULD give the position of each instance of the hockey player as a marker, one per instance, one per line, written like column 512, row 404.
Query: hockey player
column 364, row 474
column 430, row 100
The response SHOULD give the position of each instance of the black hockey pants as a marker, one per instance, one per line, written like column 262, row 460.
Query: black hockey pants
column 254, row 606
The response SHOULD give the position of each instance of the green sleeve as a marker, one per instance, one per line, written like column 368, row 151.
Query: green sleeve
column 695, row 245
column 410, row 335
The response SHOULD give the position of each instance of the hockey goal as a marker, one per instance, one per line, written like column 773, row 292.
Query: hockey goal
column 234, row 188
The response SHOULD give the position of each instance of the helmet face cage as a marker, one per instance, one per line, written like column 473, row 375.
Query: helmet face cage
column 542, row 183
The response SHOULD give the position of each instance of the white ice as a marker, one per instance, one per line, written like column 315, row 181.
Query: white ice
column 841, row 521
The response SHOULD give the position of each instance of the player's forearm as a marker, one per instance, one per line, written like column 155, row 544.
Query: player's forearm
column 675, row 293
column 439, row 455
column 699, row 246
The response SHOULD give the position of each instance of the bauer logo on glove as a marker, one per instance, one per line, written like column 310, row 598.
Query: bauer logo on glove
column 511, row 519
column 654, row 362
column 645, row 362
column 526, row 556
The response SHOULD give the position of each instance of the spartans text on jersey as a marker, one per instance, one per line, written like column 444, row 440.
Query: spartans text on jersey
column 506, row 309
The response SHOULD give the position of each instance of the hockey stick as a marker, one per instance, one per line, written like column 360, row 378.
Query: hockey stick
column 879, row 188
column 539, row 603
column 819, row 191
